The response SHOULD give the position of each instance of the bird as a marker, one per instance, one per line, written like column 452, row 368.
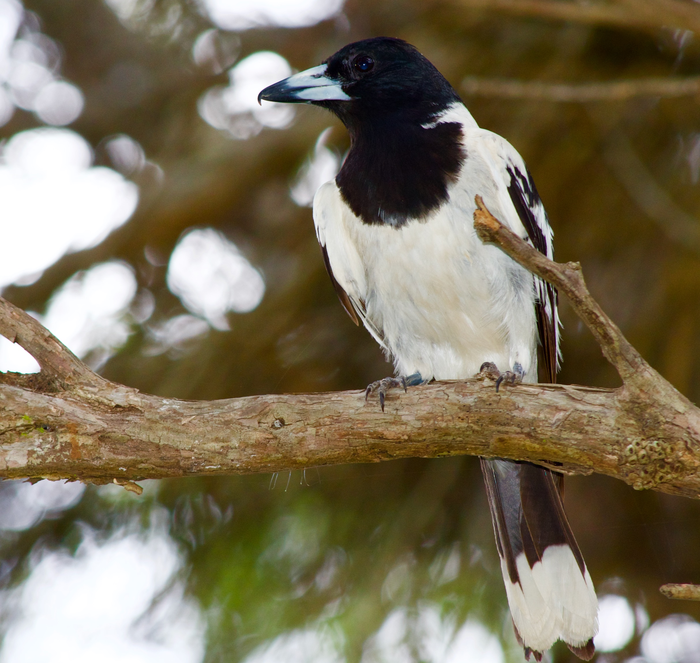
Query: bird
column 397, row 239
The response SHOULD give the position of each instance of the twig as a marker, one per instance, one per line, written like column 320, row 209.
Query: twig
column 129, row 486
column 648, row 15
column 568, row 278
column 57, row 362
column 646, row 396
column 681, row 591
column 581, row 92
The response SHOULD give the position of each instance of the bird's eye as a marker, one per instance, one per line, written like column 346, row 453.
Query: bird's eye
column 363, row 63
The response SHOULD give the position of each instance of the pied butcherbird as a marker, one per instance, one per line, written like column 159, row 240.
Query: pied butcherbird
column 396, row 233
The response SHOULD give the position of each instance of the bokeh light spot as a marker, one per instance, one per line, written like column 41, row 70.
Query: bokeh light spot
column 211, row 277
column 245, row 14
column 59, row 103
column 88, row 312
column 175, row 334
column 674, row 639
column 15, row 358
column 25, row 504
column 30, row 71
column 320, row 169
column 617, row 620
column 10, row 18
column 235, row 107
column 216, row 50
column 7, row 108
column 99, row 605
column 300, row 646
column 52, row 202
column 436, row 636
column 126, row 154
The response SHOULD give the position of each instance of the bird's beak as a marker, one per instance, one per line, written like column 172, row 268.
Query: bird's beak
column 305, row 87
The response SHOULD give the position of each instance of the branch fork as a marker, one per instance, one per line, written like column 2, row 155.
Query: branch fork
column 70, row 423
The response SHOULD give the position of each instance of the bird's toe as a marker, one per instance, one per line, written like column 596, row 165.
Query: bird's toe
column 381, row 387
column 490, row 370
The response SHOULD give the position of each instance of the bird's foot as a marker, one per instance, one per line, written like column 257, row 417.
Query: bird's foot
column 381, row 387
column 531, row 652
column 489, row 369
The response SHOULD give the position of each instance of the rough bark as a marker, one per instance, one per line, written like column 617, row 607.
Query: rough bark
column 68, row 422
column 682, row 591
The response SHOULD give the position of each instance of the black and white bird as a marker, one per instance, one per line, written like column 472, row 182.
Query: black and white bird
column 396, row 231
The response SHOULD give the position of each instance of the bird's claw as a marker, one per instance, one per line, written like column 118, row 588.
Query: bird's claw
column 383, row 385
column 489, row 369
column 509, row 377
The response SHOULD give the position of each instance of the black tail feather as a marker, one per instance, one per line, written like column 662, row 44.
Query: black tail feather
column 528, row 517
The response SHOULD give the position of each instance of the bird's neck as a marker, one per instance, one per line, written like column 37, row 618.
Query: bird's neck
column 399, row 171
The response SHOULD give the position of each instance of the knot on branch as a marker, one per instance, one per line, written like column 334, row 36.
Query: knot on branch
column 653, row 463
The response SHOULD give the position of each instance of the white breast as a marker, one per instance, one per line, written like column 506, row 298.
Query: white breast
column 442, row 301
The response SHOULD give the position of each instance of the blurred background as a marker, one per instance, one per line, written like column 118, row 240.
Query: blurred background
column 158, row 221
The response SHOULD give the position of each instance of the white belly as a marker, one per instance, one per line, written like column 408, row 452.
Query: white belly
column 445, row 302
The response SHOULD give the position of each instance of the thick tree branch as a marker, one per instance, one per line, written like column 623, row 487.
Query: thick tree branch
column 577, row 429
column 71, row 423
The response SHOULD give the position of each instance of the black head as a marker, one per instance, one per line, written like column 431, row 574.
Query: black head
column 374, row 78
column 402, row 158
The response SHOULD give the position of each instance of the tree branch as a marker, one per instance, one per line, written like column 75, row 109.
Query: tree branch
column 681, row 591
column 504, row 88
column 71, row 423
column 574, row 429
column 60, row 368
column 625, row 14
column 55, row 359
column 646, row 397
column 568, row 278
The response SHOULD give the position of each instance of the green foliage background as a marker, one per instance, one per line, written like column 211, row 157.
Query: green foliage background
column 341, row 548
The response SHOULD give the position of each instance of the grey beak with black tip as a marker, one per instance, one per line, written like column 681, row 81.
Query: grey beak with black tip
column 305, row 87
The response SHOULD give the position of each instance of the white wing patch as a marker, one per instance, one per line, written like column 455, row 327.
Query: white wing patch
column 344, row 261
column 518, row 194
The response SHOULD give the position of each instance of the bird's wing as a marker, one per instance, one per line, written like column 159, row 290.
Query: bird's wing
column 340, row 256
column 527, row 203
column 522, row 194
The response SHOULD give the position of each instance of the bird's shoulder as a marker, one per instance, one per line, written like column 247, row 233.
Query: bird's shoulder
column 511, row 186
